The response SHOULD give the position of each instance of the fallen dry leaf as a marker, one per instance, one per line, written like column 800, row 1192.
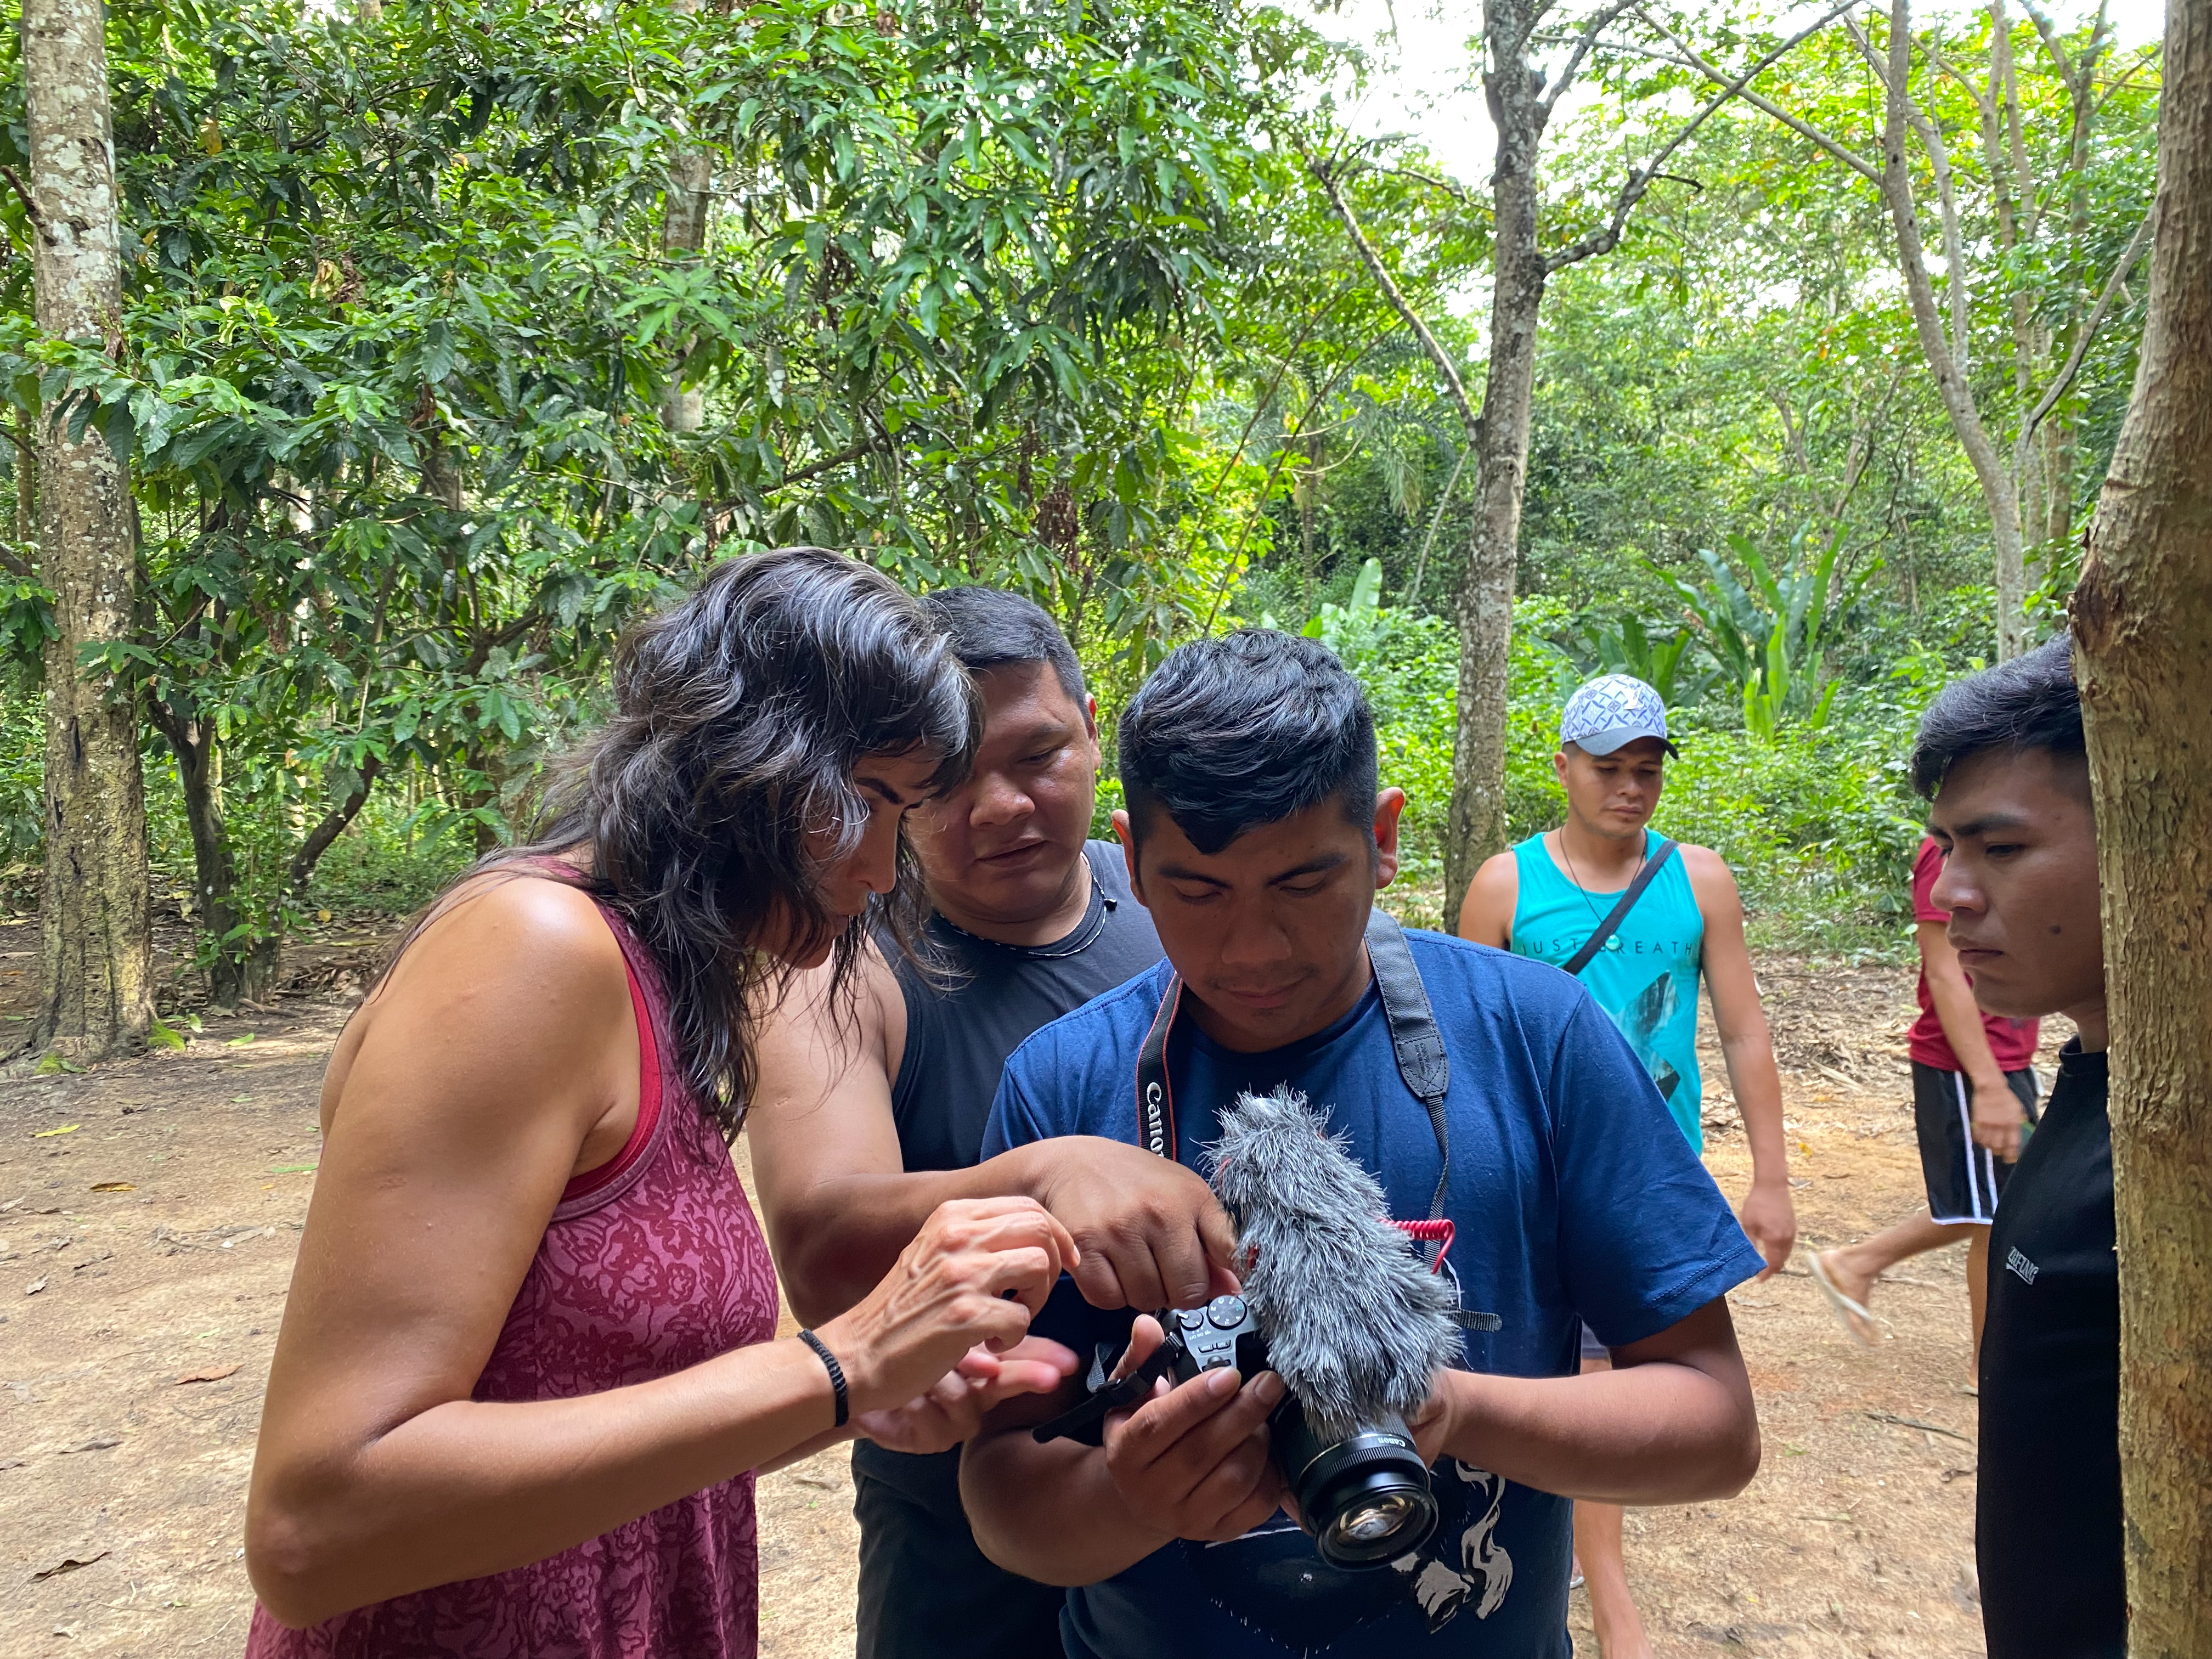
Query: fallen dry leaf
column 34, row 1287
column 214, row 1376
column 67, row 1564
column 101, row 1444
column 66, row 1129
column 115, row 1187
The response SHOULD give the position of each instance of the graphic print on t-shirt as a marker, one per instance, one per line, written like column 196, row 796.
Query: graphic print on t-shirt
column 1642, row 1021
column 1271, row 1580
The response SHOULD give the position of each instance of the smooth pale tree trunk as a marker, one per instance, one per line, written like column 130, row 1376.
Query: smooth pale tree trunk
column 683, row 240
column 26, row 501
column 1945, row 358
column 683, row 237
column 2143, row 617
column 96, row 966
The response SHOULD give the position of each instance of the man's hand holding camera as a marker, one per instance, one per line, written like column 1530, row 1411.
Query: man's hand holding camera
column 1193, row 1461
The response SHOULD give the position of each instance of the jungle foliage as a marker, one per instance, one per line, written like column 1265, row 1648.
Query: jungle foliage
column 996, row 290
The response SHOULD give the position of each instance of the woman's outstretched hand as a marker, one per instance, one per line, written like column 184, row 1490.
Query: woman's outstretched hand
column 953, row 1409
column 973, row 1277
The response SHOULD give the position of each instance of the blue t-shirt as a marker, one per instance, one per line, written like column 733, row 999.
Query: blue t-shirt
column 1573, row 1195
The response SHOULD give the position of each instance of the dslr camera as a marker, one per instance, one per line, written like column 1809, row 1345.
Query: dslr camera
column 1365, row 1498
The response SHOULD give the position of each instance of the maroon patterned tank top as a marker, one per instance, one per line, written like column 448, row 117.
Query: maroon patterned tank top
column 651, row 1263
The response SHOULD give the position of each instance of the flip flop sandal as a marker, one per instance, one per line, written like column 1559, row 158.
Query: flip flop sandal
column 1853, row 1317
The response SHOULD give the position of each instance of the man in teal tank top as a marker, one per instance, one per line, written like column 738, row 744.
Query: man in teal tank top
column 1547, row 898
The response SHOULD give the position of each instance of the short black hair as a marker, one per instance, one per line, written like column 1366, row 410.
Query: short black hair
column 1232, row 733
column 990, row 628
column 2030, row 703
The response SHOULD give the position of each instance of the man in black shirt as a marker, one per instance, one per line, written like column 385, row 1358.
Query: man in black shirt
column 872, row 1115
column 2001, row 756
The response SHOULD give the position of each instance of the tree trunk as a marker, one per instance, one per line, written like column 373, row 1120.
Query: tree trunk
column 199, row 771
column 682, row 239
column 96, row 963
column 27, row 502
column 1998, row 493
column 1484, row 601
column 261, row 967
column 2143, row 627
column 684, row 236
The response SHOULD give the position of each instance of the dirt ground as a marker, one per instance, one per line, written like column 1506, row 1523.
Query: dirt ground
column 149, row 1212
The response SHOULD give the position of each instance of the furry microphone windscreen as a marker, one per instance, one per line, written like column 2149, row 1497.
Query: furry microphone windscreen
column 1356, row 1323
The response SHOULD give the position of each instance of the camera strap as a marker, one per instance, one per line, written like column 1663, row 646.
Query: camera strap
column 1414, row 1040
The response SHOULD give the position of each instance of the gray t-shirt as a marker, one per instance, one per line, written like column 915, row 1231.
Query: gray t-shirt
column 957, row 1039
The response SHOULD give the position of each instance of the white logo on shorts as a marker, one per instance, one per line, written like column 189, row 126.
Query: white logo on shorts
column 2020, row 1265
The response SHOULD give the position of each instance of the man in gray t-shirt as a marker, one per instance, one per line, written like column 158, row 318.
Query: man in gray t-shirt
column 871, row 1116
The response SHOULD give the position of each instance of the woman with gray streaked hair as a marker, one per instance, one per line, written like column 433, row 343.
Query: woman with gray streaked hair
column 526, row 1372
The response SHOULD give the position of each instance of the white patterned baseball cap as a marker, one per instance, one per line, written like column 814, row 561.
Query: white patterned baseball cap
column 1612, row 710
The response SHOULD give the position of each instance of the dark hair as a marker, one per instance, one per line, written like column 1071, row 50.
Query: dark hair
column 990, row 628
column 2030, row 703
column 1246, row 729
column 739, row 716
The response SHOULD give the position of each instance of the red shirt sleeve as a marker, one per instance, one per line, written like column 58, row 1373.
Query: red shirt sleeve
column 1926, row 867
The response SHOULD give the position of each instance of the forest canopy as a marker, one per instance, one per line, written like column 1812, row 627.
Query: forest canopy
column 455, row 333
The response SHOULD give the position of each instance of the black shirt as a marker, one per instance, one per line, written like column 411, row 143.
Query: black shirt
column 2047, row 1513
column 958, row 1039
column 956, row 1045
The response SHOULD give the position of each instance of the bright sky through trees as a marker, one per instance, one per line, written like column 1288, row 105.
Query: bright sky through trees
column 1427, row 82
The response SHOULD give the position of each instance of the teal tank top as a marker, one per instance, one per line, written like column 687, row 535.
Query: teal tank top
column 1646, row 977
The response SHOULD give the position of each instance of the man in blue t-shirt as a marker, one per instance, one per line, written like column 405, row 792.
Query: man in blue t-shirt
column 1256, row 837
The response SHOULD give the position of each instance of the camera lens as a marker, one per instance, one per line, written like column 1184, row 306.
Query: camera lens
column 1375, row 1522
column 1365, row 1499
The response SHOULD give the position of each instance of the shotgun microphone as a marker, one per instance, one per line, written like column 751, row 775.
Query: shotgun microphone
column 1353, row 1322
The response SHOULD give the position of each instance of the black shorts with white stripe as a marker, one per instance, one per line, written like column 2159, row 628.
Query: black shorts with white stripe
column 1964, row 1179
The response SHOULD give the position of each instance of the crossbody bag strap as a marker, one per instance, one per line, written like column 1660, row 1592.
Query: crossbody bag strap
column 1653, row 861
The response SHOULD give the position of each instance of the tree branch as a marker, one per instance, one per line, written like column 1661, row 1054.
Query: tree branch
column 1585, row 42
column 332, row 826
column 1267, row 488
column 481, row 653
column 1640, row 179
column 1458, row 192
column 1939, row 162
column 1396, row 296
column 2090, row 324
column 1692, row 59
column 38, row 219
column 828, row 464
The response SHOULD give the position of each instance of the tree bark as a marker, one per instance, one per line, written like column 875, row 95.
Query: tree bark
column 1484, row 601
column 2142, row 618
column 199, row 772
column 96, row 963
